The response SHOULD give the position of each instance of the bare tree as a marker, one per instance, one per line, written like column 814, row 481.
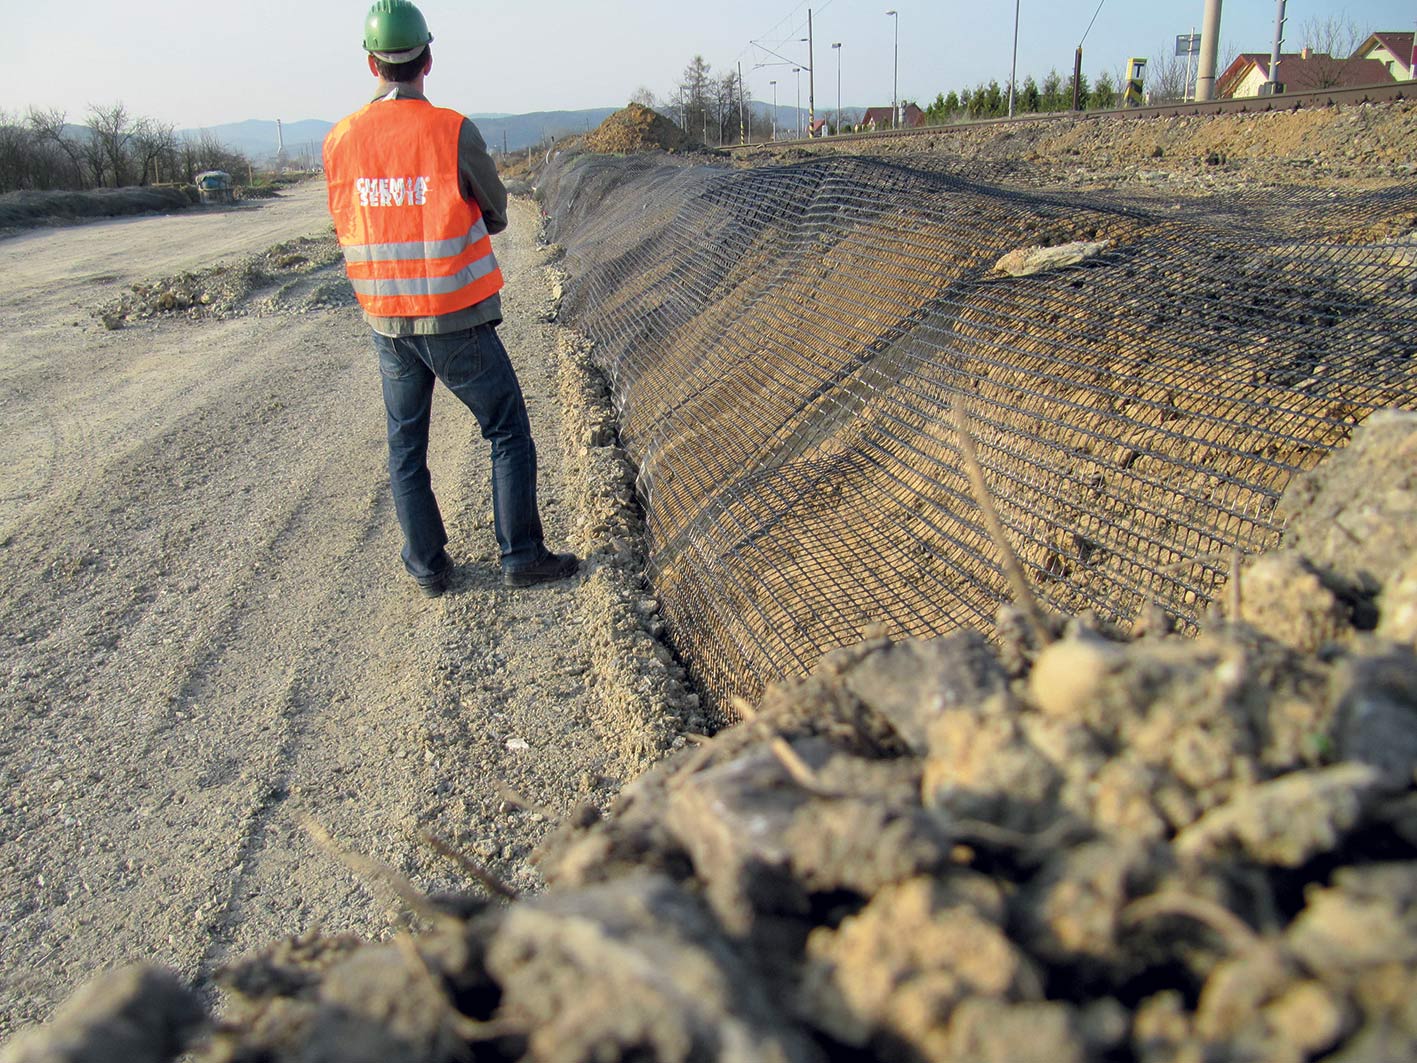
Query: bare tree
column 111, row 128
column 14, row 153
column 153, row 144
column 1168, row 77
column 48, row 127
column 206, row 152
column 1332, row 40
column 644, row 98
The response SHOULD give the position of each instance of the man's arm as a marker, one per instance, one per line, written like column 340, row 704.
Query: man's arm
column 477, row 177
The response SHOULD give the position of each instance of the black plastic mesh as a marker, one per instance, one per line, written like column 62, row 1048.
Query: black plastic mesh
column 785, row 345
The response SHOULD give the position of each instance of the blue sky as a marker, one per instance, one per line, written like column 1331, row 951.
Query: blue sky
column 196, row 63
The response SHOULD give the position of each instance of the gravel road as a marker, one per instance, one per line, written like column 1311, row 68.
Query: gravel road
column 206, row 634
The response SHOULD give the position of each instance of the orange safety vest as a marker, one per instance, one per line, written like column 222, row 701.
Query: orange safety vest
column 413, row 247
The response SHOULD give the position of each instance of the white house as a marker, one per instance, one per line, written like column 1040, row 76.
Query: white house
column 1393, row 50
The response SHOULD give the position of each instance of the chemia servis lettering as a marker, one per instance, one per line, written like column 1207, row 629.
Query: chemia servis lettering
column 392, row 191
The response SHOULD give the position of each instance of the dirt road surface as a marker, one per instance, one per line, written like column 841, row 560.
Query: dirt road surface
column 206, row 634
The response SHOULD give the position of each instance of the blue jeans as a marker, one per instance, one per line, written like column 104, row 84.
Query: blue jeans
column 474, row 366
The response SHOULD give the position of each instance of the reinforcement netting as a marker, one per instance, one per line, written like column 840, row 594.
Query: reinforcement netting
column 785, row 346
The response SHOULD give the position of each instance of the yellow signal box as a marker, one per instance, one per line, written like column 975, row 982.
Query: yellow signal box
column 1132, row 95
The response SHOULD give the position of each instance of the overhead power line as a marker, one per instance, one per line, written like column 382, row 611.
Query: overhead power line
column 1090, row 24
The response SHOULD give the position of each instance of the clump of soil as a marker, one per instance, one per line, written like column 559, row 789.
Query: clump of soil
column 1071, row 847
column 635, row 129
column 294, row 277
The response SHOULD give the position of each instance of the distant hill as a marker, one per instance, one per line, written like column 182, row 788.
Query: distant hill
column 525, row 130
column 257, row 137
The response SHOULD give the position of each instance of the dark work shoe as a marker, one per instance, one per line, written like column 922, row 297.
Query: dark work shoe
column 433, row 586
column 552, row 566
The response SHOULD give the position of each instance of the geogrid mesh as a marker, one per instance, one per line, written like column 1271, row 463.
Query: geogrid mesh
column 785, row 345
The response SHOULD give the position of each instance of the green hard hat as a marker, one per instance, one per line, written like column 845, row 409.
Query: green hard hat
column 395, row 27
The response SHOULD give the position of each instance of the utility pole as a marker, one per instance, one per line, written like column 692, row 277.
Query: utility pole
column 1191, row 53
column 1013, row 69
column 1272, row 85
column 1077, row 80
column 774, row 110
column 837, row 48
column 797, row 111
column 895, row 75
column 811, row 78
column 742, row 109
column 1210, row 43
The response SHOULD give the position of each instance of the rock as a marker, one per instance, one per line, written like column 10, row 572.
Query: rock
column 912, row 683
column 1398, row 605
column 1026, row 261
column 1071, row 911
column 136, row 1014
column 1236, row 990
column 1284, row 597
column 863, row 845
column 982, row 767
column 1354, row 517
column 990, row 1031
column 1286, row 821
column 637, row 969
column 381, row 1005
column 1310, row 1017
column 733, row 820
column 1376, row 699
column 895, row 970
column 1068, row 674
column 1367, row 919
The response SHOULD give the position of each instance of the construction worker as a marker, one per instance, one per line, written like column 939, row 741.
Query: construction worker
column 415, row 199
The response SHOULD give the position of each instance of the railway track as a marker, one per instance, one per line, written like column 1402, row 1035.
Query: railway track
column 1295, row 101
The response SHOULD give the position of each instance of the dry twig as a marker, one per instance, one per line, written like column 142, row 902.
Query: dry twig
column 526, row 804
column 1234, row 587
column 475, row 870
column 1236, row 933
column 801, row 772
column 1018, row 579
column 367, row 867
column 744, row 708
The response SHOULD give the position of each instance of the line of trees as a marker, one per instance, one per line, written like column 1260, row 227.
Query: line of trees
column 709, row 107
column 1169, row 78
column 112, row 149
column 1054, row 94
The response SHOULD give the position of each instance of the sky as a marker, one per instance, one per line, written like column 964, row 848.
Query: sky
column 196, row 64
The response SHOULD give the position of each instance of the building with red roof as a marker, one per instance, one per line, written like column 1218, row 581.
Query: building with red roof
column 1306, row 71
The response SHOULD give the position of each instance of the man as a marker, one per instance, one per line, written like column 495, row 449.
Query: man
column 415, row 198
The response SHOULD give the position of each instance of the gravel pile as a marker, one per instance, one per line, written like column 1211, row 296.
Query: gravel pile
column 294, row 277
column 1068, row 847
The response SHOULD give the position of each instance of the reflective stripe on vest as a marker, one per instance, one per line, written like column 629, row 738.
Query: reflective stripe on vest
column 412, row 249
column 425, row 286
column 407, row 254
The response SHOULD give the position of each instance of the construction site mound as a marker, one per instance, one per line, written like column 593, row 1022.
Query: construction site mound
column 1068, row 846
column 636, row 129
column 296, row 276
